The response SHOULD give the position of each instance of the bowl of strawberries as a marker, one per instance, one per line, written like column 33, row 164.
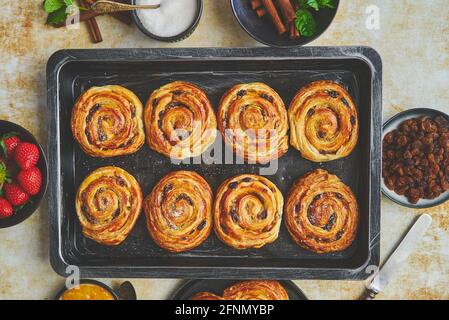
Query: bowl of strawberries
column 23, row 174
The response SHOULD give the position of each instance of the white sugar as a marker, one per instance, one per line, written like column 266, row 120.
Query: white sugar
column 171, row 19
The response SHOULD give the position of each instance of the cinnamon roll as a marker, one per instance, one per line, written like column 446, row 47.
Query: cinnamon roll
column 179, row 211
column 108, row 204
column 253, row 121
column 107, row 122
column 256, row 290
column 248, row 211
column 324, row 123
column 321, row 213
column 206, row 296
column 180, row 121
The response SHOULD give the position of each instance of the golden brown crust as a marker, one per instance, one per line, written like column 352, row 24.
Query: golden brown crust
column 108, row 204
column 321, row 212
column 324, row 124
column 206, row 296
column 180, row 121
column 248, row 211
column 179, row 211
column 107, row 122
column 253, row 121
column 256, row 290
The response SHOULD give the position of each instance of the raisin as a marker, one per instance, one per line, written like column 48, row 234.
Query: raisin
column 401, row 140
column 263, row 215
column 241, row 93
column 201, row 225
column 332, row 93
column 345, row 102
column 310, row 112
column 353, row 120
column 389, row 138
column 267, row 97
column 233, row 185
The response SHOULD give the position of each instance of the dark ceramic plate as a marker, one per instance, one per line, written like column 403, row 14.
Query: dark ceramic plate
column 263, row 30
column 192, row 287
column 89, row 281
column 179, row 37
column 30, row 207
column 392, row 124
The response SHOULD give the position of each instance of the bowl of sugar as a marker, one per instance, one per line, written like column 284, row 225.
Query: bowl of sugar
column 174, row 20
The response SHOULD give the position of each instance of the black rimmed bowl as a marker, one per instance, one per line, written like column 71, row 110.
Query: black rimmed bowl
column 264, row 31
column 393, row 124
column 182, row 36
column 29, row 208
column 89, row 281
column 217, row 286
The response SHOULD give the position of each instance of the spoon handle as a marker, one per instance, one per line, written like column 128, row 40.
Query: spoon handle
column 105, row 6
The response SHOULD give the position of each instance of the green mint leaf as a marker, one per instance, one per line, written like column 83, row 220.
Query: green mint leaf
column 313, row 4
column 3, row 175
column 305, row 23
column 58, row 16
column 68, row 3
column 9, row 135
column 18, row 208
column 3, row 147
column 303, row 4
column 52, row 5
column 326, row 4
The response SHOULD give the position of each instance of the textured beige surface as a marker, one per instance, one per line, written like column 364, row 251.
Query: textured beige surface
column 413, row 42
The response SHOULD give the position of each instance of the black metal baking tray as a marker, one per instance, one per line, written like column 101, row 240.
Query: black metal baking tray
column 217, row 286
column 70, row 72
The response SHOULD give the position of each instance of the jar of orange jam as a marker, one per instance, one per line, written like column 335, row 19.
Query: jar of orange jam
column 88, row 291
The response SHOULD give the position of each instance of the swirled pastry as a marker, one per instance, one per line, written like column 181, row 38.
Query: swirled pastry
column 108, row 204
column 206, row 296
column 180, row 121
column 107, row 122
column 248, row 211
column 324, row 123
column 253, row 121
column 256, row 290
column 179, row 211
column 321, row 213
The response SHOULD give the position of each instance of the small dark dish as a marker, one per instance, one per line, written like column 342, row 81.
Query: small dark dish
column 182, row 36
column 389, row 126
column 263, row 30
column 88, row 281
column 30, row 207
column 192, row 287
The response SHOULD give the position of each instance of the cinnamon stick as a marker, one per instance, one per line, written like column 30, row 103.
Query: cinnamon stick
column 295, row 4
column 94, row 29
column 294, row 32
column 261, row 12
column 287, row 11
column 124, row 17
column 256, row 4
column 272, row 11
column 83, row 16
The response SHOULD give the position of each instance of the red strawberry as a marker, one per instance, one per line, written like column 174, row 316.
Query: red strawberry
column 9, row 142
column 26, row 155
column 15, row 194
column 5, row 208
column 30, row 180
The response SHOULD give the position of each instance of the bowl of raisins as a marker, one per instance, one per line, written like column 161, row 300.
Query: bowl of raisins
column 415, row 158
